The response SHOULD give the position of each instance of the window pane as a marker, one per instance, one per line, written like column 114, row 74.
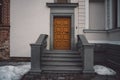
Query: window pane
column 115, row 13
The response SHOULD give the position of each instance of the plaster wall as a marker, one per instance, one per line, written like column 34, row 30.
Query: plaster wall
column 96, row 37
column 28, row 19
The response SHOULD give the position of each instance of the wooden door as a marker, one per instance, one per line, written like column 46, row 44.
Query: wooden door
column 62, row 33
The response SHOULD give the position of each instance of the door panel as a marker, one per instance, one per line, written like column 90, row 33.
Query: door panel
column 62, row 33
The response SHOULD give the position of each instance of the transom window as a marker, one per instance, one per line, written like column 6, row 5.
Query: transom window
column 62, row 1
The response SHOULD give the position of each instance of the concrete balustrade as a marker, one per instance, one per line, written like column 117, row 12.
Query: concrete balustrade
column 36, row 53
column 87, row 52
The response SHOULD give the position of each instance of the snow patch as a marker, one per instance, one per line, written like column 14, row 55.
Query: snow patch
column 16, row 72
column 102, row 70
column 13, row 72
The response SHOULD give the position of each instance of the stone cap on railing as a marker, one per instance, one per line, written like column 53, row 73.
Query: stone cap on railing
column 41, row 39
column 36, row 52
column 83, row 40
column 87, row 54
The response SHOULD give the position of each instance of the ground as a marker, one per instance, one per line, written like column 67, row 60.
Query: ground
column 59, row 76
column 20, row 71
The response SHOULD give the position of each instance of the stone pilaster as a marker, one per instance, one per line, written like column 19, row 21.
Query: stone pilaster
column 81, row 16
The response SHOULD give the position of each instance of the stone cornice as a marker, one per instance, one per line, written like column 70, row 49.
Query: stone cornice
column 100, row 31
column 62, row 5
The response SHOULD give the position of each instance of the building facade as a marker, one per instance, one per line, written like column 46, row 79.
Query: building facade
column 23, row 21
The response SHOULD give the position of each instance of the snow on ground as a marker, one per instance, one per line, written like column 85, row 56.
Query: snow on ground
column 102, row 70
column 13, row 72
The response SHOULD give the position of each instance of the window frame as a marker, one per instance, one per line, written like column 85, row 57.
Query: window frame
column 118, row 14
column 112, row 17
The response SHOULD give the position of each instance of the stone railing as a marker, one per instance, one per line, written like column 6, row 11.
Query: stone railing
column 36, row 52
column 87, row 51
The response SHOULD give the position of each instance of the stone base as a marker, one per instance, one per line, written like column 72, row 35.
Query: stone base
column 88, row 71
column 35, row 71
column 66, row 76
column 53, row 76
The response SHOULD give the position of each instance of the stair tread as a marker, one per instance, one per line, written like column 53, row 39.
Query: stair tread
column 62, row 63
column 60, row 68
column 61, row 59
column 60, row 55
column 61, row 51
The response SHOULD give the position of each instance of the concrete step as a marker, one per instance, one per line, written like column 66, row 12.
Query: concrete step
column 63, row 68
column 61, row 59
column 61, row 55
column 61, row 52
column 62, row 63
column 62, row 71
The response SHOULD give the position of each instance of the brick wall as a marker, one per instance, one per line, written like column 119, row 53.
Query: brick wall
column 4, row 43
column 5, row 30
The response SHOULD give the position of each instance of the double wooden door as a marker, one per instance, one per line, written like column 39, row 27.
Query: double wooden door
column 61, row 33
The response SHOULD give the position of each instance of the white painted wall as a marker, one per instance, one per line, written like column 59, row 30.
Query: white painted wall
column 97, row 36
column 28, row 19
column 105, row 37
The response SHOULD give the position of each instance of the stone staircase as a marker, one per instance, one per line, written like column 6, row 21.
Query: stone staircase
column 61, row 61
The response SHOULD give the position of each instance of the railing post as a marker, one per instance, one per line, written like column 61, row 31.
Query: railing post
column 36, row 52
column 87, row 52
column 35, row 58
column 88, row 59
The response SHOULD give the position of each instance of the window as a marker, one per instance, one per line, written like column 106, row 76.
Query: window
column 115, row 12
column 96, row 14
column 112, row 14
column 62, row 1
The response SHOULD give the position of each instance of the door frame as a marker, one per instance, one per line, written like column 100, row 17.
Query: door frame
column 52, row 27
